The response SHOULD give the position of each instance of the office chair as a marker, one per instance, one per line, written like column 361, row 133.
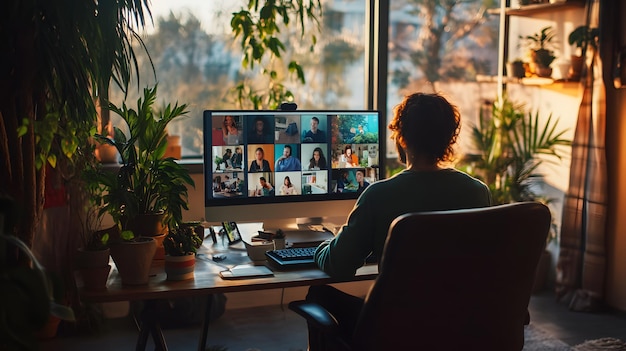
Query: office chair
column 448, row 280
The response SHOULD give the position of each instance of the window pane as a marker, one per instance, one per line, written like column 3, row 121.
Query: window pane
column 450, row 49
column 197, row 61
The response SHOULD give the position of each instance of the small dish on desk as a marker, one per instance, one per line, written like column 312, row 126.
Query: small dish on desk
column 256, row 249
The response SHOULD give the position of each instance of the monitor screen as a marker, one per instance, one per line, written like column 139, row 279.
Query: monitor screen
column 262, row 166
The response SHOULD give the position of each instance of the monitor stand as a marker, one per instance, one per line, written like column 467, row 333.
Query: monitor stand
column 304, row 232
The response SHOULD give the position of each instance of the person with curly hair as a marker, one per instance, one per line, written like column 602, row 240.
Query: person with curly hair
column 425, row 128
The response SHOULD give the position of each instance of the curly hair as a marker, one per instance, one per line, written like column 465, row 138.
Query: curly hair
column 426, row 124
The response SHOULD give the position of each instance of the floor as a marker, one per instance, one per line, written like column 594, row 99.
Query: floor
column 575, row 327
column 276, row 328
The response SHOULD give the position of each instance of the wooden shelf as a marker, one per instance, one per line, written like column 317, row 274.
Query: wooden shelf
column 570, row 88
column 530, row 10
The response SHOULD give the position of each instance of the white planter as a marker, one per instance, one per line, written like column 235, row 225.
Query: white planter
column 180, row 267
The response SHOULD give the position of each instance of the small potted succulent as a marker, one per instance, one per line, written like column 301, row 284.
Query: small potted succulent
column 279, row 239
column 181, row 244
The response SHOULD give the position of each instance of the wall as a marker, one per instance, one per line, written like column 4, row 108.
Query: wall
column 616, row 225
column 616, row 163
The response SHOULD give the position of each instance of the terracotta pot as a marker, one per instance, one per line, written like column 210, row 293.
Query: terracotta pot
column 180, row 267
column 94, row 279
column 173, row 147
column 147, row 224
column 545, row 72
column 575, row 68
column 150, row 225
column 92, row 258
column 133, row 260
column 106, row 153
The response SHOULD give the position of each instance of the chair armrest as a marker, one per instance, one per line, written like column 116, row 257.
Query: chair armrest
column 316, row 316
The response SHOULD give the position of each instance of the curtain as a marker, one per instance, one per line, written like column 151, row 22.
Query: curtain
column 582, row 263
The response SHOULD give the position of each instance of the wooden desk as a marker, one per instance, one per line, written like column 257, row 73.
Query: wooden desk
column 205, row 283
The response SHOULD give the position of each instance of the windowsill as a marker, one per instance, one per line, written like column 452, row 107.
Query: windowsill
column 195, row 165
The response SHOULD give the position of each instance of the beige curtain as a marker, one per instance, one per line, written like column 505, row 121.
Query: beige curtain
column 581, row 265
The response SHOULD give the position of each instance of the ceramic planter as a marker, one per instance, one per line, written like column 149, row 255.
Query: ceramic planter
column 279, row 243
column 133, row 260
column 180, row 267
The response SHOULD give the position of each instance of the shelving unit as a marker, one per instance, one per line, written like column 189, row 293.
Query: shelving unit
column 534, row 9
column 537, row 9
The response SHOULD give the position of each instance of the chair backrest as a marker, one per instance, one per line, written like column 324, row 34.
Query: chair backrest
column 455, row 280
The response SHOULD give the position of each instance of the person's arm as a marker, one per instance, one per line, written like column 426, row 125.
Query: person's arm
column 341, row 256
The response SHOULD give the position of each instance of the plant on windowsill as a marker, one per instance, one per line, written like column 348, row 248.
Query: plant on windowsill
column 583, row 37
column 148, row 192
column 181, row 244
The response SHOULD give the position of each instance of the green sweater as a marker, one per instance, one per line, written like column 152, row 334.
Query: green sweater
column 366, row 228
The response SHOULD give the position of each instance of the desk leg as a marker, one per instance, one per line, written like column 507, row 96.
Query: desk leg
column 205, row 323
column 149, row 324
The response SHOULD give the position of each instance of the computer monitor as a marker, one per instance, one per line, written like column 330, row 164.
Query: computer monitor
column 283, row 168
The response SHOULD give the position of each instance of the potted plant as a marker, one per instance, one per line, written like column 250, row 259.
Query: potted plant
column 541, row 46
column 279, row 239
column 509, row 146
column 94, row 247
column 515, row 69
column 92, row 258
column 133, row 257
column 218, row 163
column 582, row 38
column 181, row 244
column 148, row 192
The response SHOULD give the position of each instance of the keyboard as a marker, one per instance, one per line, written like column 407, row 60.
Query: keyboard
column 292, row 257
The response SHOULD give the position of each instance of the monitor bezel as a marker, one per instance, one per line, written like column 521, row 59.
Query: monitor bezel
column 242, row 201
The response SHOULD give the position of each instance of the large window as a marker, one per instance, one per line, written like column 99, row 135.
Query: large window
column 197, row 62
column 430, row 48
